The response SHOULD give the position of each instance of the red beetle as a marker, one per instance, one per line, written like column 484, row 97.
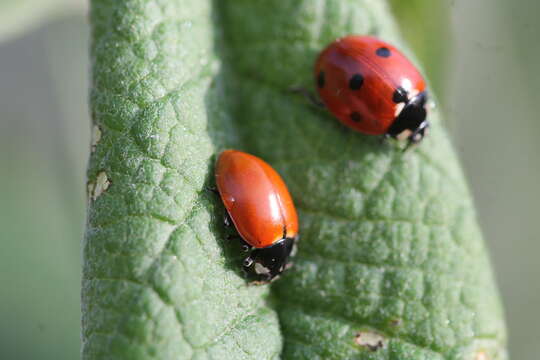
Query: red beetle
column 261, row 208
column 373, row 88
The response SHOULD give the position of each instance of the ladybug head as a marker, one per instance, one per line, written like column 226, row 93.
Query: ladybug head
column 411, row 122
column 267, row 263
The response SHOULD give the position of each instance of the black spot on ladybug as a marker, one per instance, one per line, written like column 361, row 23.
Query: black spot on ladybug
column 356, row 117
column 356, row 81
column 400, row 95
column 320, row 79
column 383, row 52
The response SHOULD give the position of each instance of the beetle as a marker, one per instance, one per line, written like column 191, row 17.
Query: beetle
column 371, row 87
column 261, row 209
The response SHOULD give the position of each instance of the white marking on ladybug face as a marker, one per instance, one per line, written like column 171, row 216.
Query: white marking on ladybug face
column 399, row 108
column 261, row 269
column 248, row 261
column 404, row 134
column 406, row 84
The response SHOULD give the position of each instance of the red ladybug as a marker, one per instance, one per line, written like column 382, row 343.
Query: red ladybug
column 373, row 88
column 262, row 210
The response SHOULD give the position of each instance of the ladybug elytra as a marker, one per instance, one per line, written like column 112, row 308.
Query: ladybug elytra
column 261, row 209
column 371, row 87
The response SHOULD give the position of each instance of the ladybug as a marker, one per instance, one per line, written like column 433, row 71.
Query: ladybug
column 370, row 86
column 261, row 209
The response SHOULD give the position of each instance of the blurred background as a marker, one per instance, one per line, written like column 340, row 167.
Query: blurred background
column 484, row 72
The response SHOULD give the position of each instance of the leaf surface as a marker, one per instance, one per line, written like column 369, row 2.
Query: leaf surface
column 391, row 263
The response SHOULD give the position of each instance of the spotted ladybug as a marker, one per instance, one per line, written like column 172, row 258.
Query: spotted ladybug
column 261, row 209
column 373, row 88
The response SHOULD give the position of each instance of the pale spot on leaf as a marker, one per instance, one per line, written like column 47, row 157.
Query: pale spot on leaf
column 96, row 136
column 369, row 340
column 102, row 184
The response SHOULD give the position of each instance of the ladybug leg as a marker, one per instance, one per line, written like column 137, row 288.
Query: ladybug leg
column 417, row 136
column 412, row 142
column 227, row 219
column 410, row 145
column 312, row 98
column 234, row 236
column 288, row 265
column 212, row 189
column 228, row 222
column 245, row 246
column 384, row 139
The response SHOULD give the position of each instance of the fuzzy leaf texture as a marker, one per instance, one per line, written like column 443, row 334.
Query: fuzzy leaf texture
column 391, row 263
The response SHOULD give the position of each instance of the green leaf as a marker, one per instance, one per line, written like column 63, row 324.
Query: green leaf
column 390, row 252
column 426, row 26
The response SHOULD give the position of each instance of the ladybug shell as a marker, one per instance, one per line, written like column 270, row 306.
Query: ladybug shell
column 256, row 199
column 365, row 82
